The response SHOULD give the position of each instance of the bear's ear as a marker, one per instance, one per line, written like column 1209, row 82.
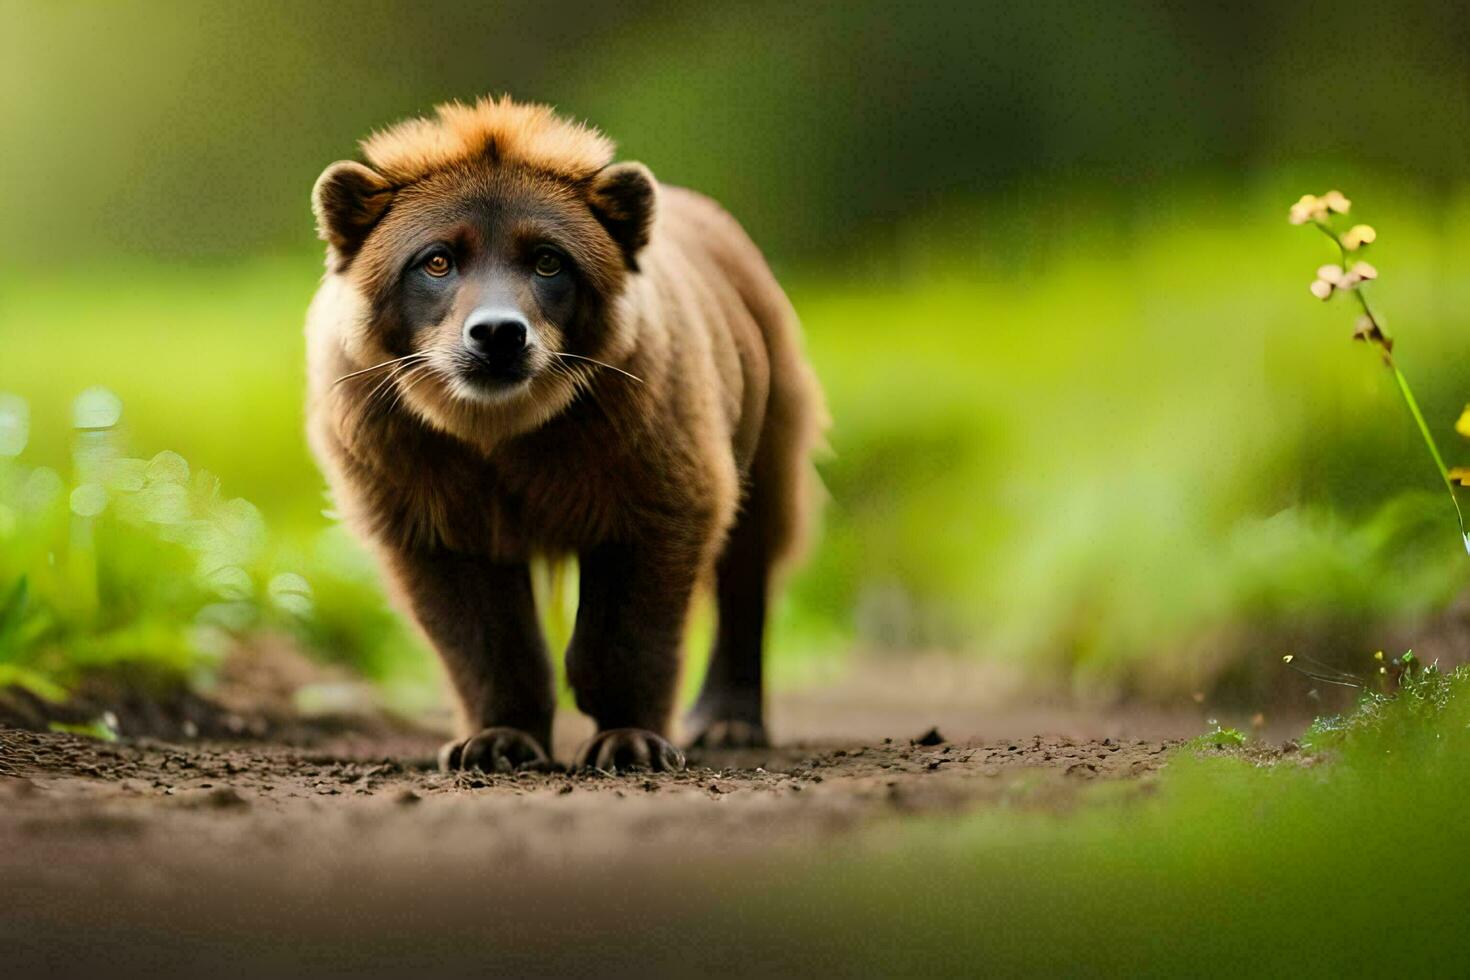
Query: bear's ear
column 348, row 200
column 623, row 198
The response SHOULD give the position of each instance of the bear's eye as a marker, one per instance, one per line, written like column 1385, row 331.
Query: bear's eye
column 548, row 263
column 438, row 265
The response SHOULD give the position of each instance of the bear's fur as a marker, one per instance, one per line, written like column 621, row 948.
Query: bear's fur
column 657, row 424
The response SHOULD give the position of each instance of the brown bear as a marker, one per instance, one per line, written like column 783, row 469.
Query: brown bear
column 523, row 349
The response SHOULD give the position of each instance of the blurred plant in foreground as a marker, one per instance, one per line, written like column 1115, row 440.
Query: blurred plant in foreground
column 128, row 561
column 1348, row 276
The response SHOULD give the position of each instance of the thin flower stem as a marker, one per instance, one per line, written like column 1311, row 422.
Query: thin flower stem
column 1386, row 346
column 1444, row 472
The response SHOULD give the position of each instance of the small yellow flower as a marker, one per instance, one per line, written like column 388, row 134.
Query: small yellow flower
column 1378, row 655
column 1463, row 425
column 1460, row 475
column 1309, row 208
column 1335, row 202
column 1330, row 277
column 1357, row 236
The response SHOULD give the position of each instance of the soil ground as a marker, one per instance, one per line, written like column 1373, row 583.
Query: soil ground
column 353, row 855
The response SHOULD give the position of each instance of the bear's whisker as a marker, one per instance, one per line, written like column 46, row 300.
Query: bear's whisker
column 409, row 379
column 375, row 367
column 594, row 360
column 378, row 389
column 385, row 385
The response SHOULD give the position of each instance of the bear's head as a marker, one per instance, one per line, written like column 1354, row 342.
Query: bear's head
column 485, row 251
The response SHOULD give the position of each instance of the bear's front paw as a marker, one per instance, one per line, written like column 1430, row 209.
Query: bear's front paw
column 494, row 750
column 629, row 748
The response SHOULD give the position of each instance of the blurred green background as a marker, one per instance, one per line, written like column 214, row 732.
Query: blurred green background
column 1087, row 417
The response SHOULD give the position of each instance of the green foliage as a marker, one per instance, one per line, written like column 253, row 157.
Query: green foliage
column 1076, row 450
column 1115, row 463
column 1222, row 865
column 137, row 560
column 122, row 562
column 99, row 729
column 1407, row 723
column 1220, row 738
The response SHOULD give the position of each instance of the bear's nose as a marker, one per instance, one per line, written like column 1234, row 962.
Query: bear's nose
column 495, row 335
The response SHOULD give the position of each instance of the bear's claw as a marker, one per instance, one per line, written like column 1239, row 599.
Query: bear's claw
column 629, row 748
column 494, row 750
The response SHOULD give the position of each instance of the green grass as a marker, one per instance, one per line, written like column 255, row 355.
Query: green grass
column 1136, row 458
column 1346, row 860
column 1219, row 738
column 1132, row 451
column 148, row 561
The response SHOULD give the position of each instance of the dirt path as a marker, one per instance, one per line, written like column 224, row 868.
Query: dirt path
column 157, row 804
column 171, row 856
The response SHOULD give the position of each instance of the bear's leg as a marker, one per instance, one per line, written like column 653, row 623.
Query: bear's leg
column 623, row 661
column 481, row 618
column 730, row 712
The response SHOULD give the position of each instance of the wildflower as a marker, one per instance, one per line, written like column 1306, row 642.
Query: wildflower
column 1330, row 277
column 1367, row 329
column 1357, row 236
column 1378, row 655
column 1309, row 208
column 1360, row 272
